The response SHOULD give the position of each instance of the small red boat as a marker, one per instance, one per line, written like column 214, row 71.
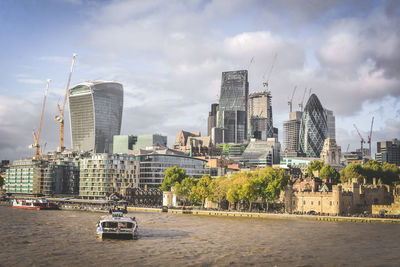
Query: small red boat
column 33, row 204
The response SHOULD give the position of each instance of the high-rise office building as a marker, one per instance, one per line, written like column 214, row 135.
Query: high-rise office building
column 95, row 109
column 232, row 113
column 259, row 116
column 314, row 128
column 212, row 118
column 388, row 151
column 291, row 133
column 330, row 120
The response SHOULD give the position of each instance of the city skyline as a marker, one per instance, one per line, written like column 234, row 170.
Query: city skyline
column 171, row 66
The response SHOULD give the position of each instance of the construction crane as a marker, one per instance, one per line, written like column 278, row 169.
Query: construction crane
column 266, row 83
column 36, row 136
column 362, row 140
column 60, row 116
column 291, row 99
column 302, row 100
column 370, row 136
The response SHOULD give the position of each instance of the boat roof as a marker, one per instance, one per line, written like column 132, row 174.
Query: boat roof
column 117, row 216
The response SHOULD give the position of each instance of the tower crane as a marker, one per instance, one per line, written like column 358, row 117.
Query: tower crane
column 370, row 136
column 60, row 116
column 36, row 136
column 266, row 83
column 362, row 140
column 291, row 99
column 302, row 100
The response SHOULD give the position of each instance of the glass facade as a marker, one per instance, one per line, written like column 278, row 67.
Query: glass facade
column 232, row 109
column 152, row 168
column 314, row 128
column 95, row 115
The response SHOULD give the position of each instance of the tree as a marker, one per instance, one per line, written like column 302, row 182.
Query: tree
column 184, row 188
column 329, row 173
column 219, row 188
column 202, row 190
column 314, row 165
column 351, row 171
column 269, row 183
column 391, row 174
column 372, row 169
column 172, row 176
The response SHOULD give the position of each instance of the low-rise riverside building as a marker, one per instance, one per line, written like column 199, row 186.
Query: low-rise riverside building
column 153, row 166
column 53, row 173
column 104, row 174
column 343, row 199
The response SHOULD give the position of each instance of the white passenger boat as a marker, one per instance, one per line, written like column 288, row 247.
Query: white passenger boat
column 117, row 226
column 33, row 204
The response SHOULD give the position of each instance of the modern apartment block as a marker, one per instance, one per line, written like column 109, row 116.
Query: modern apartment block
column 95, row 109
column 314, row 128
column 104, row 174
column 260, row 123
column 54, row 173
column 232, row 113
column 28, row 177
column 388, row 151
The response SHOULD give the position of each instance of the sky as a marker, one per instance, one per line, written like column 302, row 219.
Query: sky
column 169, row 56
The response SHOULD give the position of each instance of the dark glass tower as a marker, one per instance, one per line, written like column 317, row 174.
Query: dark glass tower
column 95, row 110
column 314, row 128
column 232, row 114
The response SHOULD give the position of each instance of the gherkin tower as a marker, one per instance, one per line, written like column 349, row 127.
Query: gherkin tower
column 314, row 128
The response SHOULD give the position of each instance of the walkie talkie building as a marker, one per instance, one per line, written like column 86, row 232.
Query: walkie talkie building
column 95, row 110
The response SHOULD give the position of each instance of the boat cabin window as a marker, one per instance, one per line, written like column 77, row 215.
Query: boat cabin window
column 110, row 224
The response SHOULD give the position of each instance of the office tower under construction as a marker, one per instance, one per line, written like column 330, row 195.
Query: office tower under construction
column 260, row 116
column 232, row 113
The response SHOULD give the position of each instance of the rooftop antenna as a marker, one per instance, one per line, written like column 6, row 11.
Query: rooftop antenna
column 291, row 99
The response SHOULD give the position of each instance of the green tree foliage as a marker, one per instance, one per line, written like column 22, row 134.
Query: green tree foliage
column 391, row 174
column 184, row 188
column 202, row 190
column 384, row 174
column 328, row 172
column 269, row 182
column 219, row 188
column 314, row 165
column 172, row 176
column 351, row 171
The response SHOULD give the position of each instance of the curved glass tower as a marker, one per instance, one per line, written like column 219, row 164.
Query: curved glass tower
column 314, row 128
column 95, row 110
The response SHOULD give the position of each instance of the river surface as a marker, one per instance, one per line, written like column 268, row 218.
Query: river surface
column 68, row 238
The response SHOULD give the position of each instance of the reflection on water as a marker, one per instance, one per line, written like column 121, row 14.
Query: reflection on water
column 68, row 238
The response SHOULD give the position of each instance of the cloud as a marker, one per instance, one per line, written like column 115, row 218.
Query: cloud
column 169, row 56
column 30, row 81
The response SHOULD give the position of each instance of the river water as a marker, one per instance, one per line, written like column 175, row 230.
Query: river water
column 68, row 238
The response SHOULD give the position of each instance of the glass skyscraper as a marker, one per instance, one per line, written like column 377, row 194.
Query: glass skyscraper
column 232, row 113
column 95, row 110
column 314, row 128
